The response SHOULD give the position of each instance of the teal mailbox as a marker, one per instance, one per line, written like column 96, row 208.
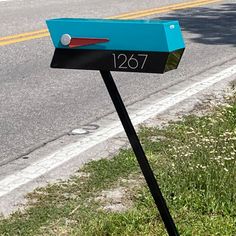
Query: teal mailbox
column 149, row 46
column 116, row 45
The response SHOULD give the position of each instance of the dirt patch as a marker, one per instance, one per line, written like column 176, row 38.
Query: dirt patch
column 119, row 199
column 115, row 200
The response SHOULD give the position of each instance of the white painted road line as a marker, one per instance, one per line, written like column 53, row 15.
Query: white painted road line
column 68, row 152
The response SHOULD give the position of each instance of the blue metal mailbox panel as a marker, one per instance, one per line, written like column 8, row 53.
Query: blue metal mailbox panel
column 128, row 35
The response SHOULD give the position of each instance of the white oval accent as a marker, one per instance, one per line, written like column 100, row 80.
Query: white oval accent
column 65, row 39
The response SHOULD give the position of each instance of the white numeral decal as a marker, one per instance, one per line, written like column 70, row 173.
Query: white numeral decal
column 114, row 57
column 133, row 62
column 145, row 59
column 121, row 66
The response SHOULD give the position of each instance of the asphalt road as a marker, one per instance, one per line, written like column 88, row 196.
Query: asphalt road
column 38, row 104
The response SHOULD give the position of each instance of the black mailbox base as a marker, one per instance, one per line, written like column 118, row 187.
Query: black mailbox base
column 107, row 60
column 139, row 152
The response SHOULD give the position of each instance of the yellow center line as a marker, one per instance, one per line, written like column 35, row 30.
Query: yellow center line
column 11, row 39
column 23, row 35
column 168, row 7
column 17, row 40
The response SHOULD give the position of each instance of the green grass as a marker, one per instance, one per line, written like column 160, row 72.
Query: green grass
column 194, row 162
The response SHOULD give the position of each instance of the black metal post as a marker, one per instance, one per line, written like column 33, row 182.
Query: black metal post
column 139, row 152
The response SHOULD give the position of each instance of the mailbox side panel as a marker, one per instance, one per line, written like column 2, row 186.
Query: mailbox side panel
column 123, row 35
column 145, row 62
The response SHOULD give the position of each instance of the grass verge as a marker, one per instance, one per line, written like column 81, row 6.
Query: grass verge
column 194, row 162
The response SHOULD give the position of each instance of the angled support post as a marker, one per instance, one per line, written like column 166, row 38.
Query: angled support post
column 139, row 153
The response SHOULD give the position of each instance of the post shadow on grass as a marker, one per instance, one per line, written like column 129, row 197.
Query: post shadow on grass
column 215, row 26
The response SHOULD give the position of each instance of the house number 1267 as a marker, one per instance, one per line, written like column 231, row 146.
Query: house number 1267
column 134, row 61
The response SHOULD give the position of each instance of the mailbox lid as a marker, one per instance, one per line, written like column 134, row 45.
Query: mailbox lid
column 127, row 35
